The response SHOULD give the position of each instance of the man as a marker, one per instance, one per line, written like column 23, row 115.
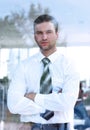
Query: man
column 24, row 96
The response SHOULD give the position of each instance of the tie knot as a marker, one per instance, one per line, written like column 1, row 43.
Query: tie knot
column 45, row 61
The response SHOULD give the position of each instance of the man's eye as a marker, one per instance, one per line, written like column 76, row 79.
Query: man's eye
column 38, row 33
column 48, row 32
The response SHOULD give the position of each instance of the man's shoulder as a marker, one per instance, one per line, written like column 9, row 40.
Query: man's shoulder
column 63, row 57
column 31, row 58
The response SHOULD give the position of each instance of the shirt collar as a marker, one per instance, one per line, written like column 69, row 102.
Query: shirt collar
column 52, row 57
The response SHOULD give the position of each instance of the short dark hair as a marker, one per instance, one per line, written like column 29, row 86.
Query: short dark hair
column 46, row 18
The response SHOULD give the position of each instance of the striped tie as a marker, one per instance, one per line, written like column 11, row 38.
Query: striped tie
column 45, row 82
column 46, row 86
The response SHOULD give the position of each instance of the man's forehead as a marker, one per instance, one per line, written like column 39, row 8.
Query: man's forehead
column 44, row 26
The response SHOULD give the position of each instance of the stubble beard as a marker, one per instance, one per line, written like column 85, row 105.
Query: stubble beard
column 47, row 49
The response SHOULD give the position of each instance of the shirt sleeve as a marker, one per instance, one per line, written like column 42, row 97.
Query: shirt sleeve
column 17, row 103
column 66, row 100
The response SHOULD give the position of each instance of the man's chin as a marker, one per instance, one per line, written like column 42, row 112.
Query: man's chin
column 44, row 48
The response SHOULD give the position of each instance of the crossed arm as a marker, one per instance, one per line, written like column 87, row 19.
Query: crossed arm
column 32, row 95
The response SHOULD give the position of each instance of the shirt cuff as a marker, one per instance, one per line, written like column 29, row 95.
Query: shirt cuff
column 39, row 99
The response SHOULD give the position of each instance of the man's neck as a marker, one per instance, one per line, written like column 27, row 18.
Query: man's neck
column 48, row 53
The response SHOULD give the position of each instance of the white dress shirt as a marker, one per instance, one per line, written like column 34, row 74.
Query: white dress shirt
column 27, row 79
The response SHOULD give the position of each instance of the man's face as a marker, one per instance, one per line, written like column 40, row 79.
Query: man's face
column 46, row 36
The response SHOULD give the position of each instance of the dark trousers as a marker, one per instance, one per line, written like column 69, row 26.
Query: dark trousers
column 50, row 127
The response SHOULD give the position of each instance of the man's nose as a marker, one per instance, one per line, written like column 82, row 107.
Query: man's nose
column 44, row 36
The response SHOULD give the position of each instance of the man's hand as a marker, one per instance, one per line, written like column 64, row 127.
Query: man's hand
column 30, row 96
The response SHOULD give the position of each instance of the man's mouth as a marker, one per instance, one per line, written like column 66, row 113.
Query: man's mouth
column 44, row 43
